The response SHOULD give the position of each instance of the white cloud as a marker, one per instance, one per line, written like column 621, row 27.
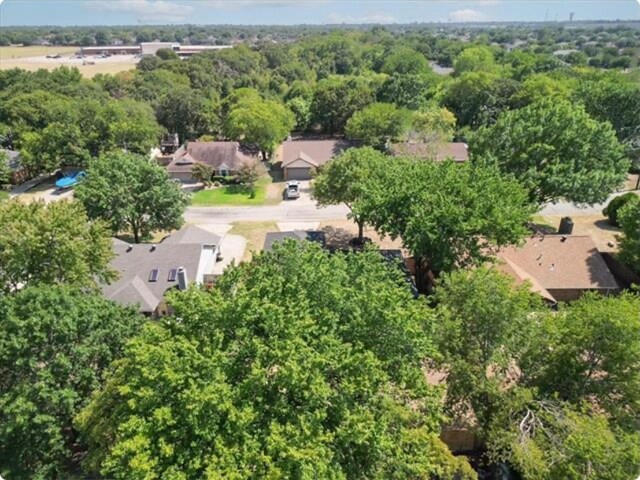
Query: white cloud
column 467, row 15
column 146, row 10
column 373, row 17
column 228, row 4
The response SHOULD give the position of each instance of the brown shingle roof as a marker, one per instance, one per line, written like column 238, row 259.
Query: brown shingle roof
column 438, row 151
column 214, row 154
column 554, row 262
column 314, row 152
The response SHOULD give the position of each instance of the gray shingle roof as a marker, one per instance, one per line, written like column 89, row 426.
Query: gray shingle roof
column 299, row 235
column 134, row 264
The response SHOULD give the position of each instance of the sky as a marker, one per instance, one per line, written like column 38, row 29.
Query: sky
column 290, row 12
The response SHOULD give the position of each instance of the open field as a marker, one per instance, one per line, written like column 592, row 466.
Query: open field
column 34, row 51
column 35, row 58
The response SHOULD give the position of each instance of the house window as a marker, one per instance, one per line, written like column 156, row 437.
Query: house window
column 224, row 172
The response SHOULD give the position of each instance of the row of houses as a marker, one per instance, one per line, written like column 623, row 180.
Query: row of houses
column 297, row 158
column 560, row 268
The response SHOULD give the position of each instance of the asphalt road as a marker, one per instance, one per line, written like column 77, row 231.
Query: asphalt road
column 305, row 210
column 283, row 212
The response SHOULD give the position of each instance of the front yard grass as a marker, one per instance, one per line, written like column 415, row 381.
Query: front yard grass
column 234, row 195
column 254, row 233
column 3, row 195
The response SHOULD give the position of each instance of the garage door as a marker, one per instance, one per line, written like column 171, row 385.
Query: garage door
column 298, row 174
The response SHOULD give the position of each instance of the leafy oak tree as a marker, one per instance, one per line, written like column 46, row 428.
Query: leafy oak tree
column 377, row 124
column 336, row 99
column 263, row 123
column 53, row 243
column 57, row 145
column 629, row 220
column 475, row 59
column 132, row 194
column 56, row 342
column 546, row 439
column 343, row 180
column 484, row 322
column 300, row 364
column 556, row 150
column 590, row 350
column 447, row 215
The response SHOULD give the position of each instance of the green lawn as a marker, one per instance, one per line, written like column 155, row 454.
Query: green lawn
column 3, row 195
column 233, row 195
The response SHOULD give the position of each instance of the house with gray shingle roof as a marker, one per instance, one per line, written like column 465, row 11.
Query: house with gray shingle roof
column 147, row 271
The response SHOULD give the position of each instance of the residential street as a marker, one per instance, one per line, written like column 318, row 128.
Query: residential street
column 306, row 210
column 285, row 211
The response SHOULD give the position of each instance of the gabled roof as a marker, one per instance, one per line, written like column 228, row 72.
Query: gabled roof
column 193, row 234
column 556, row 262
column 457, row 151
column 214, row 154
column 313, row 152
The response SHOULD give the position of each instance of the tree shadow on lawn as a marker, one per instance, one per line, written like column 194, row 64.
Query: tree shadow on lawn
column 240, row 190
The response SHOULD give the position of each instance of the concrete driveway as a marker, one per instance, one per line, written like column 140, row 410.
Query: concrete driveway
column 232, row 249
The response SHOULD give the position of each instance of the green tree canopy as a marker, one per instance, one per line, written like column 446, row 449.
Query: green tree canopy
column 52, row 243
column 263, row 123
column 484, row 320
column 629, row 220
column 548, row 440
column 475, row 59
column 57, row 145
column 377, row 124
column 336, row 99
column 590, row 350
column 405, row 60
column 300, row 364
column 343, row 180
column 557, row 151
column 133, row 194
column 447, row 215
column 56, row 342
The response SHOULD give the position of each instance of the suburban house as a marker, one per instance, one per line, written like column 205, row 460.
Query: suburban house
column 301, row 157
column 148, row 271
column 457, row 151
column 223, row 157
column 559, row 267
column 298, row 235
column 18, row 173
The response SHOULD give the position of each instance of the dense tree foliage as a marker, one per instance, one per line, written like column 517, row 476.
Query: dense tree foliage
column 556, row 151
column 590, row 350
column 343, row 180
column 301, row 364
column 378, row 124
column 133, row 194
column 447, row 215
column 629, row 220
column 53, row 243
column 547, row 440
column 484, row 322
column 56, row 343
column 263, row 123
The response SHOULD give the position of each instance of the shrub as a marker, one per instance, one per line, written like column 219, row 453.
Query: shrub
column 611, row 210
